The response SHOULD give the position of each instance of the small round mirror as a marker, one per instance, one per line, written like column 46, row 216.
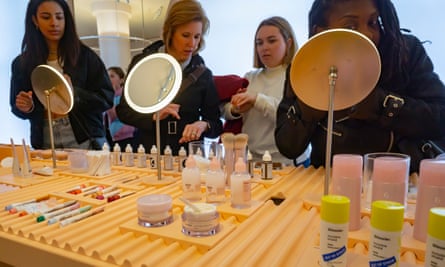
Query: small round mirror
column 153, row 83
column 356, row 59
column 47, row 81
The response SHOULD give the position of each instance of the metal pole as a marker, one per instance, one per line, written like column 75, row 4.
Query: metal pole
column 158, row 145
column 50, row 122
column 332, row 80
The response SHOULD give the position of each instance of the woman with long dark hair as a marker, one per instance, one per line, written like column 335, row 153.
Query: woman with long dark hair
column 51, row 38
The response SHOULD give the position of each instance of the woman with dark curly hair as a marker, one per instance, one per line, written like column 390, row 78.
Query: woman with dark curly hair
column 405, row 109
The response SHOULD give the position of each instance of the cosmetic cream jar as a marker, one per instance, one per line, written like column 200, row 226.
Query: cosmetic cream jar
column 204, row 222
column 154, row 210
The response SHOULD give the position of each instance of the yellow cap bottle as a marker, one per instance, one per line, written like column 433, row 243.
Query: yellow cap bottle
column 435, row 242
column 386, row 231
column 334, row 230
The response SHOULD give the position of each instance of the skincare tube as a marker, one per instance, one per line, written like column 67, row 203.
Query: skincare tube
column 334, row 230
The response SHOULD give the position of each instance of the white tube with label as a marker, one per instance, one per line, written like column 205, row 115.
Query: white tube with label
column 334, row 230
column 386, row 233
column 435, row 242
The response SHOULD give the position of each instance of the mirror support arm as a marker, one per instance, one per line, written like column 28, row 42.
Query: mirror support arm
column 158, row 145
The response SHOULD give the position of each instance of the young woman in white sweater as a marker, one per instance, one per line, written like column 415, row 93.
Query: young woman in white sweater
column 275, row 46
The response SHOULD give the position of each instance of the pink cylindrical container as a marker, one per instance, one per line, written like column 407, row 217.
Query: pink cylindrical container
column 347, row 172
column 430, row 193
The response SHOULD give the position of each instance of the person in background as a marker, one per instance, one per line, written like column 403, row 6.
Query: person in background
column 194, row 112
column 51, row 38
column 274, row 48
column 406, row 108
column 120, row 133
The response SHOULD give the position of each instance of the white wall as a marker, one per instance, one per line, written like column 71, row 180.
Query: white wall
column 229, row 48
column 12, row 27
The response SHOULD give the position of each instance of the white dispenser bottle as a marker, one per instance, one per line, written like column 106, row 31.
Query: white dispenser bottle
column 240, row 187
column 215, row 183
column 129, row 157
column 168, row 158
column 142, row 157
column 266, row 166
column 116, row 155
column 250, row 164
column 182, row 157
column 154, row 157
column 191, row 180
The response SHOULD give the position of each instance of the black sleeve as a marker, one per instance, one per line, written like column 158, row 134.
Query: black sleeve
column 296, row 123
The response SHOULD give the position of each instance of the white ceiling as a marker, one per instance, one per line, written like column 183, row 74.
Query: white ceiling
column 146, row 20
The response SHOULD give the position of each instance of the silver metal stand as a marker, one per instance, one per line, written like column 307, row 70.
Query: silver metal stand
column 50, row 122
column 158, row 145
column 332, row 80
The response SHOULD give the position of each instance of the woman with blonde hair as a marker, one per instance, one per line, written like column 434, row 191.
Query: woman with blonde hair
column 274, row 48
column 193, row 113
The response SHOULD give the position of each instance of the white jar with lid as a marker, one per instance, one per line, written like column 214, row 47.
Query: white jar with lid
column 204, row 222
column 154, row 210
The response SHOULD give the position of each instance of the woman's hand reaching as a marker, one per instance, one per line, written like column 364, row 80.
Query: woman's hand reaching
column 193, row 131
column 24, row 101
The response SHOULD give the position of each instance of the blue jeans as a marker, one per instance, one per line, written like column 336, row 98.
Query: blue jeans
column 64, row 136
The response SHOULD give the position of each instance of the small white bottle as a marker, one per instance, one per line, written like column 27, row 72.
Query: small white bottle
column 116, row 155
column 435, row 242
column 266, row 166
column 250, row 164
column 106, row 147
column 153, row 157
column 386, row 234
column 168, row 158
column 142, row 157
column 191, row 180
column 215, row 183
column 106, row 165
column 129, row 157
column 334, row 226
column 182, row 157
column 240, row 187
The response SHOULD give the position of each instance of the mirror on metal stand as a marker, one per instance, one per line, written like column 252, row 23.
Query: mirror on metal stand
column 150, row 86
column 334, row 70
column 55, row 94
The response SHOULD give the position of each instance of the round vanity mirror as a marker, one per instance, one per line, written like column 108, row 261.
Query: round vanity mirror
column 55, row 94
column 357, row 63
column 153, row 83
column 49, row 82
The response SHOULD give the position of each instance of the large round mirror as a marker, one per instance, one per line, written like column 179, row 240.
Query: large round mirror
column 153, row 83
column 49, row 82
column 357, row 62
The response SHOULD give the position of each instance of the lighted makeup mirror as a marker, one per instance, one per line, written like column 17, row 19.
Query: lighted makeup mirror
column 55, row 94
column 334, row 70
column 151, row 85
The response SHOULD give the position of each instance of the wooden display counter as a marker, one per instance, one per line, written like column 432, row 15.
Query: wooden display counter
column 266, row 234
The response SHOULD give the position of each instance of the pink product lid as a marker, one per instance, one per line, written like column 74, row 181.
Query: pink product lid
column 390, row 170
column 154, row 203
column 432, row 172
column 347, row 166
